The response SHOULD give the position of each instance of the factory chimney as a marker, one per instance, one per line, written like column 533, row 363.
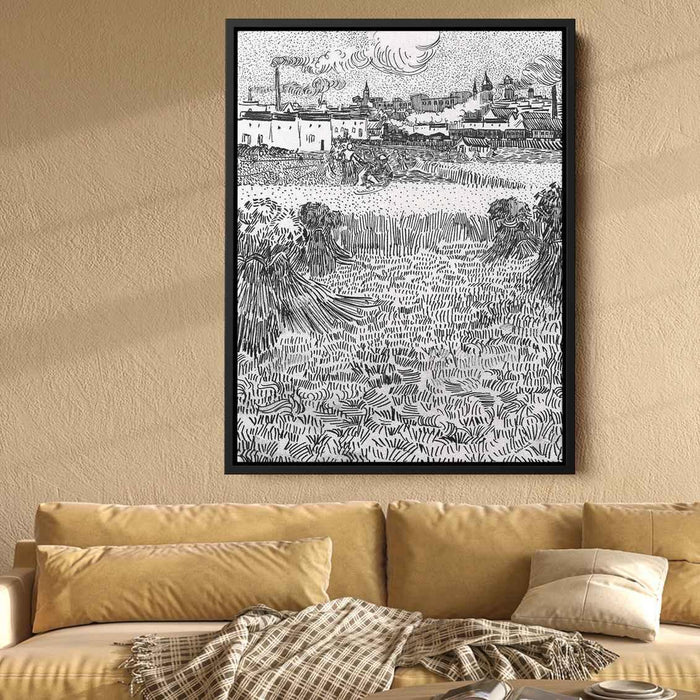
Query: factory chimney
column 555, row 109
column 278, row 90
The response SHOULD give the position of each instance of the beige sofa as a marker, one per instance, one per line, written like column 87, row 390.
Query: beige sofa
column 444, row 560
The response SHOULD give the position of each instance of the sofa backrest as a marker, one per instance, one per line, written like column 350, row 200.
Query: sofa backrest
column 25, row 555
column 448, row 560
column 356, row 528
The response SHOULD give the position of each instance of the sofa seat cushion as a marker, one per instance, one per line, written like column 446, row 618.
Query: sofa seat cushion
column 672, row 660
column 79, row 662
column 83, row 662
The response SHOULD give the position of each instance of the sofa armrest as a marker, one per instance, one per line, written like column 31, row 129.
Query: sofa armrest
column 15, row 606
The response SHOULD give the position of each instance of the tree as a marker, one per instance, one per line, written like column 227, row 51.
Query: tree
column 357, row 99
column 546, row 270
column 513, row 236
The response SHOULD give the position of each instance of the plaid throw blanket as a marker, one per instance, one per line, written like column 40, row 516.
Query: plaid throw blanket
column 345, row 650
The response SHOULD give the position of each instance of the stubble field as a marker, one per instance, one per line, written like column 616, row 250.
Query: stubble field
column 457, row 361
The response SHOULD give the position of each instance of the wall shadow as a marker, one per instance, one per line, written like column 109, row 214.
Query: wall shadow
column 583, row 409
column 114, row 324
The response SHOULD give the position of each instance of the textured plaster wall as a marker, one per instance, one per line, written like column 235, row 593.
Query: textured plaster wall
column 111, row 257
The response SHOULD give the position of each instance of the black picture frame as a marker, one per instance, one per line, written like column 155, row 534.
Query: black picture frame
column 567, row 464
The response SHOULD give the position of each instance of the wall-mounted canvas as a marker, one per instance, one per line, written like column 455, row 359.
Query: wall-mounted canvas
column 399, row 246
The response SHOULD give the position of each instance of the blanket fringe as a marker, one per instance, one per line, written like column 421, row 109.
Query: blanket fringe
column 139, row 663
column 578, row 658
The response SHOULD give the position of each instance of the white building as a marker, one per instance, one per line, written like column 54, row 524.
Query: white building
column 473, row 147
column 254, row 128
column 284, row 131
column 293, row 131
column 345, row 125
column 498, row 118
column 314, row 131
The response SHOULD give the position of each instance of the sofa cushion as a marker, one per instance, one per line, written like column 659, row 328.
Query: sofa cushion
column 673, row 533
column 79, row 662
column 470, row 561
column 83, row 662
column 672, row 660
column 356, row 528
column 595, row 590
column 193, row 581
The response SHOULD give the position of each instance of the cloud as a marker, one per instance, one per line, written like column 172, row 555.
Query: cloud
column 545, row 70
column 396, row 53
column 317, row 86
column 296, row 61
column 403, row 53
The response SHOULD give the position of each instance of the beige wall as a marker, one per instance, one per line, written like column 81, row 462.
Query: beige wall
column 111, row 262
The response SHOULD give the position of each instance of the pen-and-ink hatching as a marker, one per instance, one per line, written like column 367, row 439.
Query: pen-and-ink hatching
column 399, row 253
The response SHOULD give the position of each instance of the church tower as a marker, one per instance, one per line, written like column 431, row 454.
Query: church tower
column 486, row 94
column 365, row 96
column 508, row 88
column 475, row 90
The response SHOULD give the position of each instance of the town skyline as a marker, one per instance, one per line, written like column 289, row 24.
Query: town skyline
column 453, row 61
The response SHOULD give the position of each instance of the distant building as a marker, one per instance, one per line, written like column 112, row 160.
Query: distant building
column 365, row 96
column 420, row 102
column 375, row 128
column 460, row 96
column 497, row 118
column 314, row 131
column 540, row 125
column 349, row 125
column 254, row 128
column 473, row 146
column 508, row 88
column 486, row 94
column 466, row 126
column 251, row 104
column 399, row 108
column 284, row 131
column 293, row 131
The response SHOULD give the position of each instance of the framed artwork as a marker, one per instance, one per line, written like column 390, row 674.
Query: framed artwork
column 399, row 246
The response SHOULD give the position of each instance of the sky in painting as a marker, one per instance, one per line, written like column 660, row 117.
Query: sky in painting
column 452, row 62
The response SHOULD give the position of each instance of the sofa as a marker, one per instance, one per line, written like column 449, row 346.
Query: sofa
column 443, row 560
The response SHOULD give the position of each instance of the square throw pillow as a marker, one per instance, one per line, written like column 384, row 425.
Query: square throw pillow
column 595, row 590
column 671, row 533
column 77, row 586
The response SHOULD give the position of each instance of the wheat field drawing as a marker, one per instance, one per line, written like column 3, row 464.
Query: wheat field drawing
column 400, row 249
